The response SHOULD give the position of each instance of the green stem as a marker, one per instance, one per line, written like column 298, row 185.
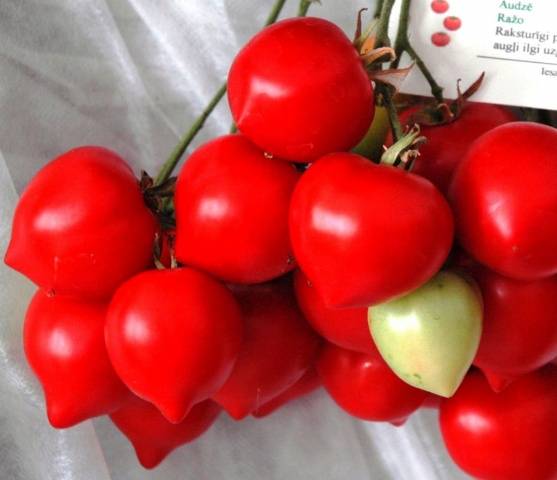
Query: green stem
column 304, row 7
column 275, row 12
column 402, row 44
column 386, row 93
column 170, row 164
column 383, row 25
column 378, row 8
column 174, row 158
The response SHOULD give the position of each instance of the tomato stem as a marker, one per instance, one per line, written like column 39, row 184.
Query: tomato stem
column 382, row 39
column 304, row 7
column 170, row 164
column 402, row 44
column 378, row 8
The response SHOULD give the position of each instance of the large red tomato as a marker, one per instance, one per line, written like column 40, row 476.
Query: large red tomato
column 365, row 386
column 364, row 233
column 447, row 144
column 307, row 384
column 520, row 325
column 64, row 344
column 232, row 211
column 299, row 90
column 507, row 435
column 504, row 195
column 81, row 226
column 173, row 337
column 345, row 327
column 153, row 437
column 279, row 347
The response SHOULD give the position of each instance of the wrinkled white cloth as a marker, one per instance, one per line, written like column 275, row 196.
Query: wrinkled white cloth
column 132, row 75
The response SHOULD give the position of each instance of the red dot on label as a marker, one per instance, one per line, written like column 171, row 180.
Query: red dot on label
column 452, row 23
column 439, row 6
column 440, row 39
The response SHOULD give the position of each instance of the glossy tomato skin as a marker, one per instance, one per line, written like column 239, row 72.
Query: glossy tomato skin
column 64, row 345
column 504, row 196
column 232, row 211
column 447, row 144
column 173, row 337
column 363, row 385
column 299, row 90
column 507, row 435
column 81, row 226
column 306, row 385
column 520, row 324
column 364, row 233
column 153, row 437
column 278, row 348
column 345, row 327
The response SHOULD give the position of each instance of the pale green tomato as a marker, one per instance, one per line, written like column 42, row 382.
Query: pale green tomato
column 430, row 336
column 371, row 145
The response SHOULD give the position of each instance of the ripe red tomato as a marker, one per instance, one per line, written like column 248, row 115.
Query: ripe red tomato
column 307, row 384
column 364, row 233
column 64, row 345
column 507, row 435
column 439, row 6
column 153, row 437
column 173, row 337
column 506, row 206
column 81, row 226
column 447, row 144
column 364, row 386
column 440, row 39
column 232, row 211
column 345, row 327
column 520, row 325
column 452, row 23
column 299, row 90
column 279, row 347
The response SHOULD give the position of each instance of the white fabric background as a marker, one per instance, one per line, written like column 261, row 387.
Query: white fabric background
column 131, row 75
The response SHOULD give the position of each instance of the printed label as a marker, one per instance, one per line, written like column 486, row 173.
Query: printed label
column 513, row 42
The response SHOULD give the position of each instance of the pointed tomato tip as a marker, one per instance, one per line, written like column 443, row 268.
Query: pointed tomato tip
column 150, row 457
column 237, row 412
column 10, row 258
column 399, row 423
column 498, row 382
column 175, row 413
column 58, row 417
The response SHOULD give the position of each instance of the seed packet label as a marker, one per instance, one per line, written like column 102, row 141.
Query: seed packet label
column 513, row 42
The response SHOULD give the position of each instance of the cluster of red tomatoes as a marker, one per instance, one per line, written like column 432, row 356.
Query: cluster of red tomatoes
column 279, row 265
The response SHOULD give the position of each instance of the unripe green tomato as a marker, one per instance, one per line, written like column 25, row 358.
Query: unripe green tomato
column 371, row 146
column 430, row 336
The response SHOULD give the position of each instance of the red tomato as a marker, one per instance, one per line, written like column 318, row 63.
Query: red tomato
column 64, row 344
column 365, row 386
column 278, row 348
column 452, row 23
column 520, row 324
column 307, row 384
column 439, row 6
column 440, row 39
column 504, row 195
column 345, row 327
column 299, row 90
column 432, row 401
column 173, row 337
column 81, row 226
column 507, row 435
column 364, row 233
column 232, row 211
column 447, row 144
column 153, row 437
